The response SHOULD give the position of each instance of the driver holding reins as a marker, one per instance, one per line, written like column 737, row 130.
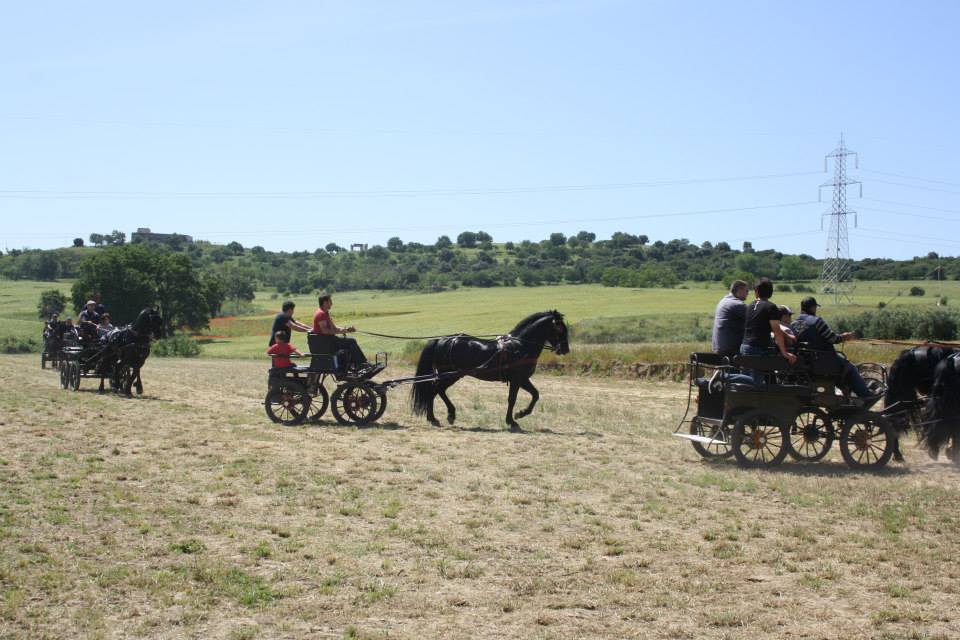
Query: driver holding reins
column 324, row 325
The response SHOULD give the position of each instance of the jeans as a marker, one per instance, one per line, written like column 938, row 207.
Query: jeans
column 750, row 350
column 855, row 381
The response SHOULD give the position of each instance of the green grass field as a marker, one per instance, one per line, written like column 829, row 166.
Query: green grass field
column 670, row 315
column 185, row 513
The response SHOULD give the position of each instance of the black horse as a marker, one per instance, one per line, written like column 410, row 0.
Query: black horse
column 127, row 349
column 926, row 372
column 511, row 359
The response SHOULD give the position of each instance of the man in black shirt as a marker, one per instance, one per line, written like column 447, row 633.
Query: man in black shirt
column 763, row 318
column 284, row 323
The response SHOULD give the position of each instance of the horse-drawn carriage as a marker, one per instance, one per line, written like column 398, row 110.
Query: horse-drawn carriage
column 799, row 410
column 52, row 344
column 117, row 357
column 299, row 394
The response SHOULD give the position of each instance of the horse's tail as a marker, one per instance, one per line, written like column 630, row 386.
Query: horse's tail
column 423, row 392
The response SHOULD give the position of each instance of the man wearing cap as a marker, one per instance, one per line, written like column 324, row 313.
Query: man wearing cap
column 813, row 330
column 89, row 313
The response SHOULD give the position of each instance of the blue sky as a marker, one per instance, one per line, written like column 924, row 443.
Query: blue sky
column 295, row 124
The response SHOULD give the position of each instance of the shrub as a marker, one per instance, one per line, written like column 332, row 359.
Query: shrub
column 802, row 288
column 13, row 344
column 901, row 324
column 51, row 301
column 178, row 346
column 917, row 291
column 784, row 287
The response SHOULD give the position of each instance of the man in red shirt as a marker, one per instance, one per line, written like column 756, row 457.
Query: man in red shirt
column 323, row 325
column 281, row 351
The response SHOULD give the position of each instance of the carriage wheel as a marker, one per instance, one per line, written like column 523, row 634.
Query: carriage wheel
column 318, row 405
column 62, row 367
column 811, row 435
column 124, row 377
column 381, row 403
column 354, row 404
column 866, row 442
column 719, row 449
column 75, row 376
column 287, row 406
column 760, row 440
column 872, row 374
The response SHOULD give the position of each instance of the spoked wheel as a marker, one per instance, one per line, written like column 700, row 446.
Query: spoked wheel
column 287, row 406
column 62, row 368
column 124, row 378
column 873, row 375
column 354, row 404
column 811, row 435
column 720, row 448
column 318, row 405
column 381, row 403
column 760, row 440
column 75, row 375
column 866, row 442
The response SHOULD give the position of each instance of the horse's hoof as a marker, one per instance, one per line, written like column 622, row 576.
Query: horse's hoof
column 435, row 423
column 898, row 457
column 451, row 418
column 514, row 427
column 522, row 414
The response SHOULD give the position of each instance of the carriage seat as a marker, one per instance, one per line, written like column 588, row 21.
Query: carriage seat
column 708, row 359
column 822, row 364
column 323, row 350
column 765, row 363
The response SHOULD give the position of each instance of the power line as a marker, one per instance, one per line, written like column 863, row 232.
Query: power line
column 463, row 225
column 911, row 235
column 913, row 206
column 44, row 194
column 900, row 175
column 910, row 215
column 915, row 186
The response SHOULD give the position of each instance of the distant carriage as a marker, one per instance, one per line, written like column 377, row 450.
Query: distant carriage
column 118, row 357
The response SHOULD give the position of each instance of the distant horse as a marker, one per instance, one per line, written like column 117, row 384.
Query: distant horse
column 511, row 359
column 914, row 374
column 126, row 351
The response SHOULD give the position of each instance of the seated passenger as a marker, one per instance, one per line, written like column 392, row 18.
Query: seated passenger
column 281, row 350
column 762, row 321
column 323, row 325
column 89, row 313
column 69, row 330
column 817, row 336
column 728, row 320
column 786, row 317
column 105, row 328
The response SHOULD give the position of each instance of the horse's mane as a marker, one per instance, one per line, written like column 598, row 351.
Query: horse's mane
column 532, row 318
column 912, row 368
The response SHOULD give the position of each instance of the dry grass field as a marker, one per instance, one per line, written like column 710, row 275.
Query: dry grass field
column 187, row 514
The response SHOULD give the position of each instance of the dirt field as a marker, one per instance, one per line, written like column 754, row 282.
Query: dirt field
column 186, row 513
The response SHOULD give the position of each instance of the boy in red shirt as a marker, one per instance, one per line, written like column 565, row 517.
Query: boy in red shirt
column 281, row 351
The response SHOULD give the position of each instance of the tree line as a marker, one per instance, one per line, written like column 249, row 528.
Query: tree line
column 211, row 275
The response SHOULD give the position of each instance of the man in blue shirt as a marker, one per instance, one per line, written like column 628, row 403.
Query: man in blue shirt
column 728, row 320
